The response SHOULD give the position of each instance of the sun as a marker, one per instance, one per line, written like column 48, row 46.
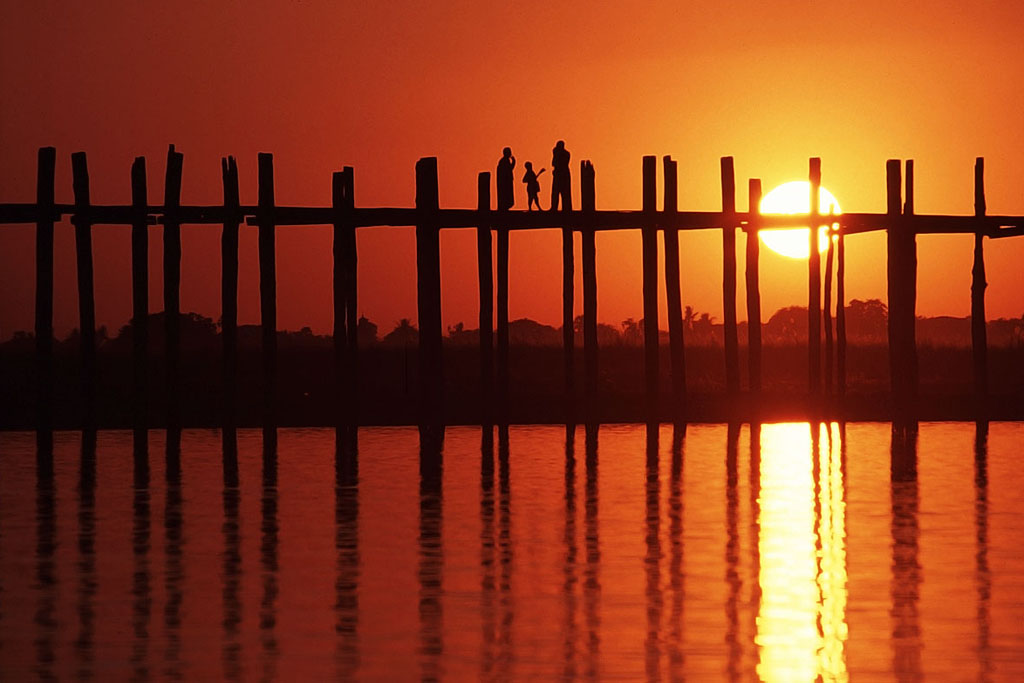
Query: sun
column 794, row 198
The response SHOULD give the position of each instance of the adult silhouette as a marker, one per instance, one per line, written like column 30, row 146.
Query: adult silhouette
column 506, row 197
column 561, row 182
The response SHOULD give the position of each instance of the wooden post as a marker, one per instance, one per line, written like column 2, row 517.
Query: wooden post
column 428, row 284
column 344, row 285
column 47, row 161
column 673, row 297
column 140, row 293
column 268, row 285
column 502, row 323
column 732, row 357
column 568, row 328
column 753, row 287
column 979, row 341
column 814, row 285
column 649, row 239
column 485, row 276
column 893, row 200
column 827, row 308
column 588, row 194
column 86, row 297
column 908, row 290
column 229, row 288
column 172, row 284
column 841, row 315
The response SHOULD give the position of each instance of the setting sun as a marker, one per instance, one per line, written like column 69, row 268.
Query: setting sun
column 795, row 198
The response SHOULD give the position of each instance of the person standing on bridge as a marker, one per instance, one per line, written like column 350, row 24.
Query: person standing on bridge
column 505, row 181
column 532, row 186
column 561, row 182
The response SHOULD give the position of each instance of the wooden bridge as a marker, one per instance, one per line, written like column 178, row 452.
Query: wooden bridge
column 900, row 222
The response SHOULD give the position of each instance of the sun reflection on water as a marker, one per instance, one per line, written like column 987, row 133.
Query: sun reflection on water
column 801, row 622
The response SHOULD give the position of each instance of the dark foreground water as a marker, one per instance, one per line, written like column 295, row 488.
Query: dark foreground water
column 718, row 557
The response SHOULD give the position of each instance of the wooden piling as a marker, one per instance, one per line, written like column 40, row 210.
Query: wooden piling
column 485, row 276
column 268, row 284
column 814, row 285
column 979, row 340
column 229, row 289
column 428, row 286
column 172, row 285
column 140, row 294
column 673, row 297
column 841, row 315
column 908, row 289
column 502, row 321
column 588, row 194
column 893, row 276
column 649, row 244
column 86, row 296
column 827, row 309
column 568, row 326
column 753, row 288
column 732, row 353
column 344, row 299
column 47, row 161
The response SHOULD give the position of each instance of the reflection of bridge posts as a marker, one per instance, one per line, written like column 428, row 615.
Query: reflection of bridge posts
column 906, row 569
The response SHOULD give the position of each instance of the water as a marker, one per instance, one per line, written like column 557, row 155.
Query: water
column 711, row 560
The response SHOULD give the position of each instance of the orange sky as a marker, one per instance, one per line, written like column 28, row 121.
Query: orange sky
column 377, row 85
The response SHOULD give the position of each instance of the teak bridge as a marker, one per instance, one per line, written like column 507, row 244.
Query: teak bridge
column 900, row 222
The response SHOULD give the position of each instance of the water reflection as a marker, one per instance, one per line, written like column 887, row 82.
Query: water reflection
column 652, row 559
column 45, row 584
column 431, row 560
column 346, row 544
column 753, row 579
column 906, row 569
column 983, row 574
column 86, row 563
column 141, row 530
column 268, row 556
column 801, row 625
column 174, row 567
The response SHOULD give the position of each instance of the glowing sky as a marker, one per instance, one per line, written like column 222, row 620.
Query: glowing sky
column 377, row 85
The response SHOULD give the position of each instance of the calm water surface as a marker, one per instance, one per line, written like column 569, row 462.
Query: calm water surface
column 779, row 553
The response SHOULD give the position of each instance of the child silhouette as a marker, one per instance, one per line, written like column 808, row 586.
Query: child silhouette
column 532, row 187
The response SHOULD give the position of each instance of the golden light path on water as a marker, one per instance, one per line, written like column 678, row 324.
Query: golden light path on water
column 801, row 622
column 795, row 198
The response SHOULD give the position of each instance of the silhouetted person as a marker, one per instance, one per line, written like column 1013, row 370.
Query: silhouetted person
column 506, row 197
column 561, row 183
column 532, row 186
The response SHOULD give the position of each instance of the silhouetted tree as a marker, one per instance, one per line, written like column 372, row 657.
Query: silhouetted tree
column 366, row 332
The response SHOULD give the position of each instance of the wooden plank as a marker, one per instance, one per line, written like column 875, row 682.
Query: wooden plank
column 841, row 316
column 86, row 296
column 47, row 161
column 673, row 296
column 732, row 354
column 485, row 277
column 268, row 285
column 649, row 245
column 893, row 200
column 753, row 289
column 428, row 285
column 814, row 285
column 140, row 295
column 588, row 194
column 172, row 285
column 229, row 289
column 979, row 340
